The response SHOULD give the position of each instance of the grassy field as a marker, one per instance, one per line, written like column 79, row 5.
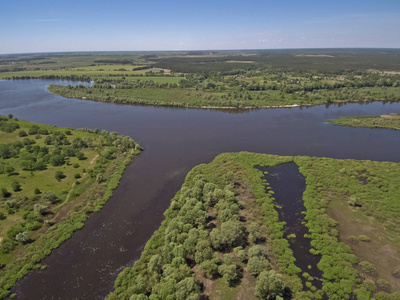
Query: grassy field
column 390, row 121
column 351, row 214
column 50, row 180
column 227, row 79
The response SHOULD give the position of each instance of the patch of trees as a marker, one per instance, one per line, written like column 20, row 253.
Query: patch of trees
column 202, row 230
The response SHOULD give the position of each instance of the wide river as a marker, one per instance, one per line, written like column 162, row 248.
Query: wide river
column 175, row 140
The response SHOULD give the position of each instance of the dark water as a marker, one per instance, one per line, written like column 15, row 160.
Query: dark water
column 175, row 140
column 288, row 186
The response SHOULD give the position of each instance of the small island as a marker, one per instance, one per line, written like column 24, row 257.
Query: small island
column 388, row 121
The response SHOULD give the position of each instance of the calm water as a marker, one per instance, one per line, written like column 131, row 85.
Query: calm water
column 288, row 186
column 175, row 140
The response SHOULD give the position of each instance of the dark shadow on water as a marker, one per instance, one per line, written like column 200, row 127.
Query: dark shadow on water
column 288, row 186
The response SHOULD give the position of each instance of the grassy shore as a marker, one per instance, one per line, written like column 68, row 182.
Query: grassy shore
column 222, row 237
column 389, row 121
column 51, row 180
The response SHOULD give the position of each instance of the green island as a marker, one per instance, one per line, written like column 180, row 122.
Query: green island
column 51, row 180
column 222, row 238
column 218, row 79
column 388, row 121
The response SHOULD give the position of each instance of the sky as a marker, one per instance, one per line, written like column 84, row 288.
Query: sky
column 28, row 26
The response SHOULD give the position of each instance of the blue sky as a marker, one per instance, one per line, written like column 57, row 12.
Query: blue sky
column 52, row 26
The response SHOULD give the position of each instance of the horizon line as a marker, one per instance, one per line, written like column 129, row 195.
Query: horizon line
column 239, row 49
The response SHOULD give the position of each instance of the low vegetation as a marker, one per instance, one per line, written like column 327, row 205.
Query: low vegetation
column 51, row 179
column 222, row 238
column 227, row 79
column 389, row 121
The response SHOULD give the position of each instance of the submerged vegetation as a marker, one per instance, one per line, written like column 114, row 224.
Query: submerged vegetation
column 389, row 121
column 51, row 179
column 229, row 79
column 222, row 238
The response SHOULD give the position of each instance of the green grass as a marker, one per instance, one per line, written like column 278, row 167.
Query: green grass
column 100, row 172
column 387, row 121
column 332, row 187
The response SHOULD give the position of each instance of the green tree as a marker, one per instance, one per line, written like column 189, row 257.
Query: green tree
column 57, row 160
column 229, row 273
column 257, row 264
column 16, row 186
column 59, row 175
column 269, row 285
column 22, row 237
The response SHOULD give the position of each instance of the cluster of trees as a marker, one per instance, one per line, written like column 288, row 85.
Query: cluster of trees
column 36, row 206
column 203, row 232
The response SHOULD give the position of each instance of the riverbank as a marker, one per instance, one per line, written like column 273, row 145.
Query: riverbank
column 50, row 187
column 347, row 270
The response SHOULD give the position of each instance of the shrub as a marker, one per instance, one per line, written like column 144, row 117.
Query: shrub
column 22, row 133
column 57, row 160
column 269, row 285
column 59, row 175
column 51, row 197
column 16, row 186
column 4, row 193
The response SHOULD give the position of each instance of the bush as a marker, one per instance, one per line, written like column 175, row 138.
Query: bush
column 77, row 175
column 4, row 193
column 269, row 285
column 36, row 191
column 22, row 133
column 257, row 264
column 57, row 160
column 16, row 186
column 51, row 197
column 59, row 175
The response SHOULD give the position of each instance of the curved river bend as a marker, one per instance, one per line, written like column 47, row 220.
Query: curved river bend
column 175, row 140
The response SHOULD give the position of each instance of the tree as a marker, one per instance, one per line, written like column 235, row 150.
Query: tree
column 22, row 237
column 22, row 133
column 57, row 160
column 51, row 197
column 269, row 285
column 59, row 175
column 16, row 186
column 257, row 264
column 209, row 268
column 203, row 251
column 229, row 273
column 4, row 193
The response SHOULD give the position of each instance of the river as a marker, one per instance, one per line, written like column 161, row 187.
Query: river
column 175, row 140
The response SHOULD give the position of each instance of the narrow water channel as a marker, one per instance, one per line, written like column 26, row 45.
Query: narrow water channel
column 288, row 186
column 175, row 140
